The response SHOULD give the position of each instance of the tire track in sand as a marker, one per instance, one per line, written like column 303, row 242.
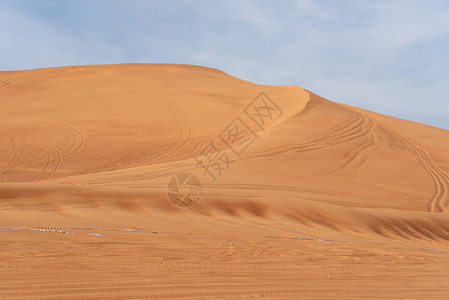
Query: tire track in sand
column 355, row 127
column 51, row 163
column 12, row 159
column 73, row 141
column 29, row 86
column 186, row 129
column 439, row 201
column 205, row 136
column 74, row 137
column 164, row 153
column 360, row 155
column 360, row 126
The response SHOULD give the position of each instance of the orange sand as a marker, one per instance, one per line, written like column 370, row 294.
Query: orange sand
column 328, row 201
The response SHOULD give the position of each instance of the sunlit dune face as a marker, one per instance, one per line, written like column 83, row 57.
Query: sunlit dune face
column 158, row 180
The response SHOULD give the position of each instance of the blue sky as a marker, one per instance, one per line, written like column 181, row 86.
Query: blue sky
column 390, row 56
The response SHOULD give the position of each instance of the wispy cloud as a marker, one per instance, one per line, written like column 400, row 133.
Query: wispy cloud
column 29, row 43
column 389, row 56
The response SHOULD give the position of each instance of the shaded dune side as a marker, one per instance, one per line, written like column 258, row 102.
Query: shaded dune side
column 390, row 224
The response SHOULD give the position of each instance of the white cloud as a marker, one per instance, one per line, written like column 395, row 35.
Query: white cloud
column 381, row 55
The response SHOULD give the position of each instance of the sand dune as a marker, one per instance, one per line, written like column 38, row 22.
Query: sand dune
column 300, row 197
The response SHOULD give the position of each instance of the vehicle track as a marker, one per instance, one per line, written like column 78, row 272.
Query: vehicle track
column 355, row 127
column 51, row 164
column 27, row 158
column 400, row 147
column 142, row 156
column 205, row 136
column 107, row 164
column 12, row 168
column 185, row 132
column 12, row 159
column 74, row 137
column 183, row 125
column 72, row 142
column 360, row 127
column 186, row 129
column 28, row 87
column 359, row 156
column 439, row 200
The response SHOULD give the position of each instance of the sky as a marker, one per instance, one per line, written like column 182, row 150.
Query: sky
column 389, row 56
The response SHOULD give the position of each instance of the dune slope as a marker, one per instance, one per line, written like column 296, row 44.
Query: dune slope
column 295, row 196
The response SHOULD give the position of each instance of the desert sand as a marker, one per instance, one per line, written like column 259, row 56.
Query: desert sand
column 300, row 197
